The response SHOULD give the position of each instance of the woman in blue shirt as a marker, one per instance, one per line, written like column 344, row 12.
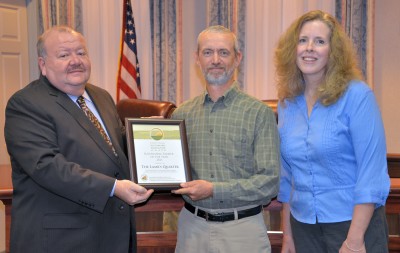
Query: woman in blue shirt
column 334, row 179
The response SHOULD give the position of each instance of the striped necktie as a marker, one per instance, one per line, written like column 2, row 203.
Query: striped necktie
column 95, row 121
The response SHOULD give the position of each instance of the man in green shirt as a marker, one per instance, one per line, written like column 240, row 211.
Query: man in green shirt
column 234, row 154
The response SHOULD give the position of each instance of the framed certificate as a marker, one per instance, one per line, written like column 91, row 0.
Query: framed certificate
column 158, row 152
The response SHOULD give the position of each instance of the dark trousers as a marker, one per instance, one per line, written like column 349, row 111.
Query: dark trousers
column 329, row 237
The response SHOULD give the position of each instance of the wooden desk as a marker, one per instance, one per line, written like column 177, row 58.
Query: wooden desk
column 151, row 214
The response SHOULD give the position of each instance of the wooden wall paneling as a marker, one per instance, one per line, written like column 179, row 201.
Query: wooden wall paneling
column 394, row 165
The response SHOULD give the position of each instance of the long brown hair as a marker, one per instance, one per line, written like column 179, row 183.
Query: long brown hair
column 342, row 65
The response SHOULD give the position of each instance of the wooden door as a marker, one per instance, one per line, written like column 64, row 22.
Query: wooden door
column 14, row 71
column 14, row 62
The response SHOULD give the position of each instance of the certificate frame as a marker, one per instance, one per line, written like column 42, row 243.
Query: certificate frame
column 158, row 152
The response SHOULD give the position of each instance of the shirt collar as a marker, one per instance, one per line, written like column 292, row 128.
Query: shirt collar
column 228, row 96
column 85, row 95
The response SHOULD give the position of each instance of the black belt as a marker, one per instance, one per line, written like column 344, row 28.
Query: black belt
column 221, row 217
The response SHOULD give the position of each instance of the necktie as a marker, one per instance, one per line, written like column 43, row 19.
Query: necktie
column 95, row 121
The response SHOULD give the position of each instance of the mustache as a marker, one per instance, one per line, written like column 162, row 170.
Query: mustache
column 216, row 67
column 76, row 68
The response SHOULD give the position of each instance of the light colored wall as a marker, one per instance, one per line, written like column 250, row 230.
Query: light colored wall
column 387, row 68
column 386, row 45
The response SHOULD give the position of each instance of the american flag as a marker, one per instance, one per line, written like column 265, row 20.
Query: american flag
column 128, row 84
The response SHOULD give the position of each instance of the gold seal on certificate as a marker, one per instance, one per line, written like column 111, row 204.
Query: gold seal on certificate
column 158, row 152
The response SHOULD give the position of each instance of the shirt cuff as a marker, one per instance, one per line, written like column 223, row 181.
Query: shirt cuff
column 113, row 189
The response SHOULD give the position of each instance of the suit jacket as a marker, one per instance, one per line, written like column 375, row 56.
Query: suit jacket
column 63, row 173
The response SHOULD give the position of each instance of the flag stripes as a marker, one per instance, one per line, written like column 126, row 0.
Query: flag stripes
column 128, row 83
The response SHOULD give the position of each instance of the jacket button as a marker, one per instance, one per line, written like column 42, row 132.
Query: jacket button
column 116, row 174
column 121, row 207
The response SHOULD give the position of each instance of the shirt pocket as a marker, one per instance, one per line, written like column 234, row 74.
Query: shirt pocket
column 234, row 150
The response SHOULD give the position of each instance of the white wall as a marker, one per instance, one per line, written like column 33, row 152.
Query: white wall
column 102, row 28
column 387, row 68
column 265, row 22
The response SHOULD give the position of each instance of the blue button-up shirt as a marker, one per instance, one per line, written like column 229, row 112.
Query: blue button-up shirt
column 333, row 159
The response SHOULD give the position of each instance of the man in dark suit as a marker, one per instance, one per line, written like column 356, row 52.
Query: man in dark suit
column 72, row 191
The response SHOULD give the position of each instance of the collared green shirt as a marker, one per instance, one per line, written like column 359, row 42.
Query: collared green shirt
column 234, row 144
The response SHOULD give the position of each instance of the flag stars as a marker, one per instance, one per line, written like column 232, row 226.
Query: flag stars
column 128, row 58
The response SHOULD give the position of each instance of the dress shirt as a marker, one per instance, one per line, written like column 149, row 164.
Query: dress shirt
column 234, row 144
column 333, row 159
column 92, row 108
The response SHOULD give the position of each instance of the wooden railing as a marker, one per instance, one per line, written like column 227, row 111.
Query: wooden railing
column 156, row 219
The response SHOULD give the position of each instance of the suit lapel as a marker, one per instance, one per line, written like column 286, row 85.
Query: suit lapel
column 107, row 113
column 108, row 118
column 66, row 102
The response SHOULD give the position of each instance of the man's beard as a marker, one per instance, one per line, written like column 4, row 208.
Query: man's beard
column 219, row 80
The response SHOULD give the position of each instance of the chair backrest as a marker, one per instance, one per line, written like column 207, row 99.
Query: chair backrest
column 137, row 108
column 273, row 104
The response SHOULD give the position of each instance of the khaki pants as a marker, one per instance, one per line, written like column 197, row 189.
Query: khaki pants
column 196, row 235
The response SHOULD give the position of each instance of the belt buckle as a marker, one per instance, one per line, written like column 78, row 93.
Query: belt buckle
column 206, row 216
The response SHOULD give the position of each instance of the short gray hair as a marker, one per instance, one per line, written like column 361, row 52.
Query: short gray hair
column 41, row 50
column 219, row 29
